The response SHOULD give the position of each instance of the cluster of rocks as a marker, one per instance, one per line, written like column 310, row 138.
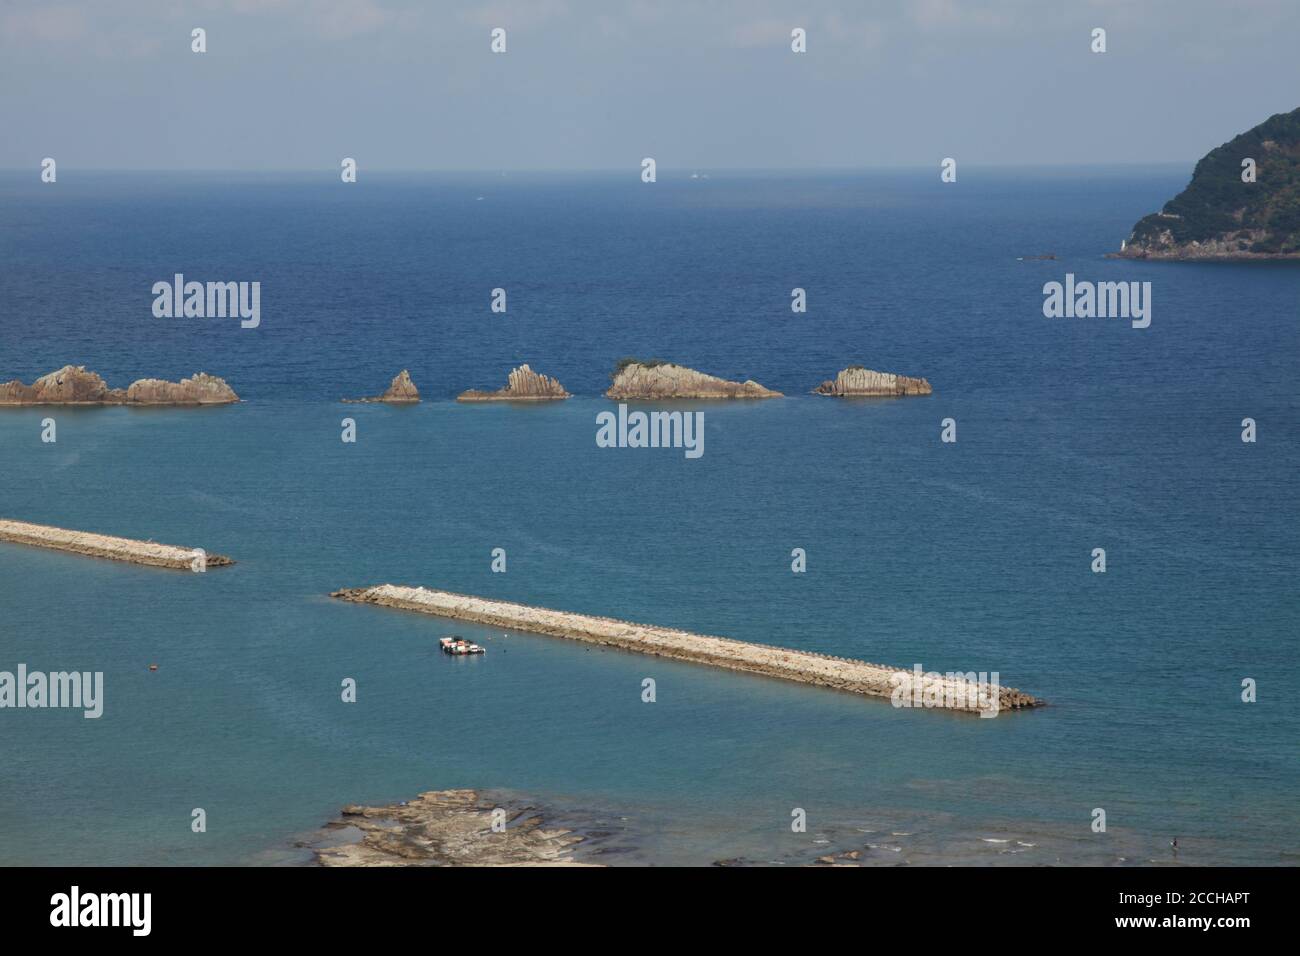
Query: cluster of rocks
column 74, row 385
column 522, row 385
column 632, row 380
column 662, row 380
column 449, row 828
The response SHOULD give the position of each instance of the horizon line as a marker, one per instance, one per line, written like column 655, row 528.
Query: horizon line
column 632, row 169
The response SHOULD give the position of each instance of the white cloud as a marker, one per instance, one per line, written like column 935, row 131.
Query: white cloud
column 516, row 13
column 56, row 23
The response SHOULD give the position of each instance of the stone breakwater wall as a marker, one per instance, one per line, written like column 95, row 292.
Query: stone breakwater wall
column 807, row 667
column 104, row 546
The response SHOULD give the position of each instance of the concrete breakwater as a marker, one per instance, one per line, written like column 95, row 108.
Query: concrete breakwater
column 841, row 673
column 106, row 546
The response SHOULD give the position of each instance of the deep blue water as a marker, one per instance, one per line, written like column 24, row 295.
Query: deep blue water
column 1073, row 434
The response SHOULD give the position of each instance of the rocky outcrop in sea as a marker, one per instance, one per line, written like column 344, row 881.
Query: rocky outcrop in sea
column 449, row 828
column 401, row 391
column 522, row 385
column 856, row 381
column 200, row 389
column 74, row 385
column 637, row 380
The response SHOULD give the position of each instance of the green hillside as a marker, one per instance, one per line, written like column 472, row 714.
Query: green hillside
column 1218, row 214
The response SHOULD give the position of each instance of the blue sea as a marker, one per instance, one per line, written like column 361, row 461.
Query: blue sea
column 1073, row 434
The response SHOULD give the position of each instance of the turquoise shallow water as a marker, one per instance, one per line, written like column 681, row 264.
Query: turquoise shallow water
column 971, row 556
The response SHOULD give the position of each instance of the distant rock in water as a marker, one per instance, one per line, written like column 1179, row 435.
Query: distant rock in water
column 858, row 381
column 634, row 379
column 523, row 385
column 401, row 391
column 73, row 385
column 1218, row 216
column 201, row 389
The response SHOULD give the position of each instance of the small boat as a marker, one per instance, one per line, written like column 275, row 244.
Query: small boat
column 457, row 645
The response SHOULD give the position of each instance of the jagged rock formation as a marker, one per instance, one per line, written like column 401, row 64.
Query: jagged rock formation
column 808, row 667
column 74, row 385
column 1218, row 216
column 199, row 389
column 523, row 385
column 448, row 828
column 634, row 379
column 401, row 390
column 857, row 381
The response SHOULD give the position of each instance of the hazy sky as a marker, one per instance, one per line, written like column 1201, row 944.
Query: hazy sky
column 400, row 84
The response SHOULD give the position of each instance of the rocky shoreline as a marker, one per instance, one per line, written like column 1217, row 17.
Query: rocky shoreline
column 1196, row 252
column 106, row 546
column 454, row 827
column 74, row 385
column 522, row 385
column 449, row 828
column 807, row 667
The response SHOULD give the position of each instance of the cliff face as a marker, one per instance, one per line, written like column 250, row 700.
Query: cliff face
column 523, row 385
column 1220, row 217
column 74, row 385
column 401, row 390
column 635, row 380
column 859, row 381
